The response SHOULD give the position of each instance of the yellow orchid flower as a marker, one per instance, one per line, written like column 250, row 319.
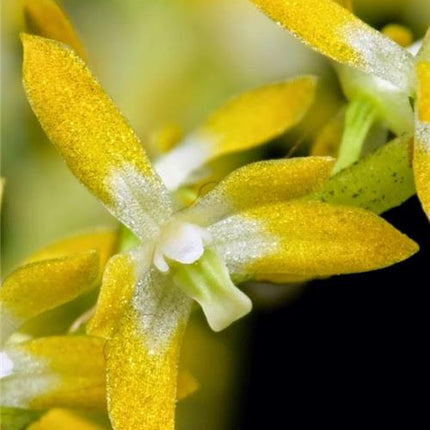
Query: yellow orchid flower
column 391, row 75
column 252, row 222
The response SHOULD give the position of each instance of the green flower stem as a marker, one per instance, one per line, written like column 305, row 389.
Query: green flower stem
column 208, row 282
column 360, row 114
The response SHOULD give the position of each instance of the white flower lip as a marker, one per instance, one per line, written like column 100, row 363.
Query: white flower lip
column 179, row 241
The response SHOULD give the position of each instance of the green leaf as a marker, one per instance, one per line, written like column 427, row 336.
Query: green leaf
column 378, row 182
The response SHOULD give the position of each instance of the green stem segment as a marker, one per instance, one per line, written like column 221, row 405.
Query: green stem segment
column 208, row 282
column 360, row 114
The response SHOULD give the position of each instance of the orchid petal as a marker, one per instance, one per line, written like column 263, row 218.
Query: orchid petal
column 246, row 121
column 421, row 161
column 377, row 182
column 308, row 238
column 46, row 18
column 259, row 184
column 44, row 285
column 328, row 141
column 97, row 143
column 62, row 419
column 334, row 31
column 119, row 280
column 424, row 51
column 142, row 357
column 104, row 241
column 63, row 371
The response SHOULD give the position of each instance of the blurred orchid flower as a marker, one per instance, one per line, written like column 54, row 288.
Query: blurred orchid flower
column 380, row 77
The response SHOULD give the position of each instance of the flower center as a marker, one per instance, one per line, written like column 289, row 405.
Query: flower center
column 179, row 241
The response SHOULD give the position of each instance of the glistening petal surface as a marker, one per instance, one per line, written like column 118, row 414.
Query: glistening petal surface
column 248, row 120
column 259, row 184
column 104, row 241
column 97, row 143
column 142, row 357
column 119, row 281
column 37, row 287
column 422, row 135
column 310, row 239
column 337, row 33
column 58, row 371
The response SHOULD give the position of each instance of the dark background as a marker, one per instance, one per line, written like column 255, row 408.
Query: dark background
column 351, row 349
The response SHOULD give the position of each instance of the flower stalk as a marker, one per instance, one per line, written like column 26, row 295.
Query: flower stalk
column 360, row 115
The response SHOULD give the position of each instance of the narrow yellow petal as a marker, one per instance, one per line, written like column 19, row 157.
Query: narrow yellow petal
column 187, row 384
column 165, row 139
column 259, row 115
column 46, row 18
column 309, row 238
column 97, row 143
column 43, row 285
column 329, row 138
column 248, row 120
column 57, row 371
column 423, row 54
column 259, row 184
column 119, row 280
column 423, row 92
column 62, row 419
column 421, row 161
column 142, row 357
column 104, row 241
column 337, row 33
